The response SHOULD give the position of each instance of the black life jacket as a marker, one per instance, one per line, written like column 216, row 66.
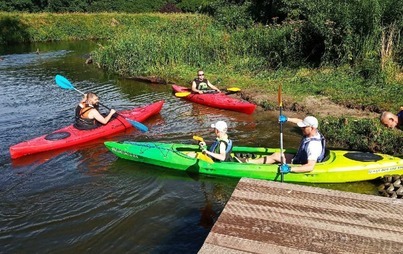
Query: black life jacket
column 302, row 154
column 201, row 84
column 215, row 148
column 81, row 120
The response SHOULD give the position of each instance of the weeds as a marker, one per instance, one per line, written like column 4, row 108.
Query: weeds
column 173, row 47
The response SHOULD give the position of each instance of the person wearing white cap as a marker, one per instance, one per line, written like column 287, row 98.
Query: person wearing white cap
column 310, row 151
column 221, row 149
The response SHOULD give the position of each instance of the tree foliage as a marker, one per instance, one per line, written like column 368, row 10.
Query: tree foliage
column 326, row 32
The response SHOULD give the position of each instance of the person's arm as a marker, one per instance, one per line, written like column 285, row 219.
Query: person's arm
column 303, row 168
column 294, row 120
column 194, row 89
column 219, row 156
column 104, row 120
column 212, row 86
column 314, row 150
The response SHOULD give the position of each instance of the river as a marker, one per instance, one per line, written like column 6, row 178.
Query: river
column 84, row 199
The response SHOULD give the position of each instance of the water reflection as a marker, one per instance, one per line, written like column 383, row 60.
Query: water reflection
column 84, row 198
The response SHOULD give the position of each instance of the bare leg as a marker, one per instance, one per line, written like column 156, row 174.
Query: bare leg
column 274, row 158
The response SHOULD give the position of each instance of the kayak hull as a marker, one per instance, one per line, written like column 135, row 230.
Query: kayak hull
column 217, row 100
column 73, row 136
column 338, row 167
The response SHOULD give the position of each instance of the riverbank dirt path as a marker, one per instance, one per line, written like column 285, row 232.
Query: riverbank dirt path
column 313, row 105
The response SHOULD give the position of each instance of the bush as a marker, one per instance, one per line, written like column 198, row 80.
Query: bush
column 362, row 135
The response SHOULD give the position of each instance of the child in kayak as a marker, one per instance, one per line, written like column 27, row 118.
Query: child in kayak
column 221, row 149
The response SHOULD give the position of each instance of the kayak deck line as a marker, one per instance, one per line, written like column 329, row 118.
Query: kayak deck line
column 273, row 217
column 217, row 100
column 340, row 166
column 59, row 140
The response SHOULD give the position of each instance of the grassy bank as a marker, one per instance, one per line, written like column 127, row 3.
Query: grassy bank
column 174, row 47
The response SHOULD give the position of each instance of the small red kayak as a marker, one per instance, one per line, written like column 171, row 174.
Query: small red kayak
column 70, row 136
column 217, row 100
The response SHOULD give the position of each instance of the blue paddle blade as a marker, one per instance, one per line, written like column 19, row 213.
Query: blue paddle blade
column 66, row 84
column 63, row 82
column 138, row 125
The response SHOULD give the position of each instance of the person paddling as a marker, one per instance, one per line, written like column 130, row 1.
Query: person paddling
column 201, row 85
column 221, row 149
column 87, row 116
column 311, row 150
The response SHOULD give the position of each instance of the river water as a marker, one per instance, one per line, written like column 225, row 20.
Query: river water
column 85, row 199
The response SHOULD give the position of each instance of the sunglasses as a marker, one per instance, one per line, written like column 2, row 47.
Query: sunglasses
column 202, row 74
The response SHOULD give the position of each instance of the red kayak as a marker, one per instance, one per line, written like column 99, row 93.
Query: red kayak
column 70, row 136
column 217, row 100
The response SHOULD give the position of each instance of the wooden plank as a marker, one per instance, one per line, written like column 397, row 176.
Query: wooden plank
column 273, row 217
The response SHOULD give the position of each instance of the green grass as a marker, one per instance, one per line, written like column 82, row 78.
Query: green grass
column 175, row 46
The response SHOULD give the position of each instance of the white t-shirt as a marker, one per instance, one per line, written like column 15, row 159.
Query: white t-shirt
column 314, row 149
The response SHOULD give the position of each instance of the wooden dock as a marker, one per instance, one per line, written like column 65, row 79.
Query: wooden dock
column 272, row 217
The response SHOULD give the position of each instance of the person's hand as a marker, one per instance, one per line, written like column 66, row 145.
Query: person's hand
column 203, row 146
column 285, row 169
column 218, row 90
column 282, row 119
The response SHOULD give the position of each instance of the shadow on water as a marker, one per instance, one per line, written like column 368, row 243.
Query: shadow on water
column 84, row 198
column 189, row 222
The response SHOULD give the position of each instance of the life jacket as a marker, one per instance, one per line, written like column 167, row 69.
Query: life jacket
column 301, row 157
column 215, row 148
column 400, row 120
column 201, row 84
column 82, row 122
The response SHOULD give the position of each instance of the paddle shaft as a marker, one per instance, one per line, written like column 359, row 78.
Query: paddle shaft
column 229, row 90
column 103, row 105
column 281, row 132
column 136, row 124
column 66, row 84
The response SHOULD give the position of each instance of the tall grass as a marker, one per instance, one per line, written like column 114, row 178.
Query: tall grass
column 174, row 47
column 362, row 135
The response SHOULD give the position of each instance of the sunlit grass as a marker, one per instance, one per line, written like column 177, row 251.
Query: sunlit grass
column 175, row 46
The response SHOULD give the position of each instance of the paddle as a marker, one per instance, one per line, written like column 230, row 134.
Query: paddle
column 229, row 90
column 280, row 103
column 66, row 84
column 199, row 155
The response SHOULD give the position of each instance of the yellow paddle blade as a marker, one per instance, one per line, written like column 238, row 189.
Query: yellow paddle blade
column 204, row 157
column 233, row 89
column 198, row 138
column 200, row 155
column 280, row 101
column 182, row 94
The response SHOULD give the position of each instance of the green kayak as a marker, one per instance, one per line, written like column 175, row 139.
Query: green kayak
column 339, row 166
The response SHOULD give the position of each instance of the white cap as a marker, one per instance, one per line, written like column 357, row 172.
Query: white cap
column 220, row 126
column 309, row 121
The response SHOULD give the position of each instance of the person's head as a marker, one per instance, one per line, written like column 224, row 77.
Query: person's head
column 309, row 125
column 200, row 74
column 220, row 127
column 92, row 99
column 389, row 119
